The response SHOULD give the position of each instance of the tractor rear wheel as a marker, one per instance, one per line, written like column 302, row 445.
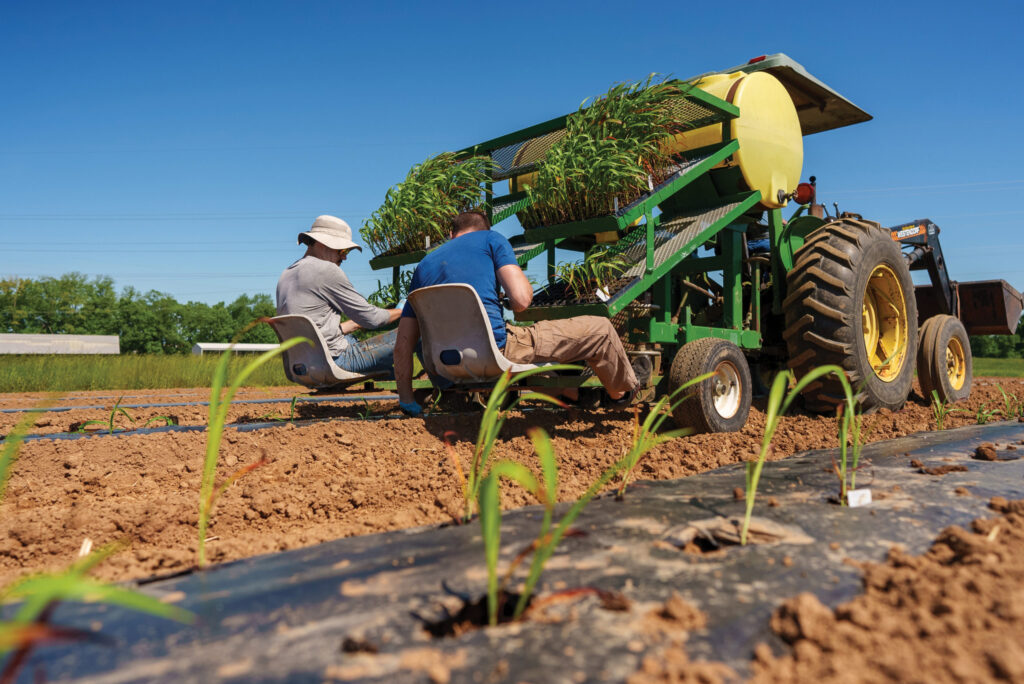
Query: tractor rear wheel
column 722, row 402
column 944, row 359
column 851, row 303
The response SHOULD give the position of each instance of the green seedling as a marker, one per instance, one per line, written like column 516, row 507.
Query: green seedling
column 646, row 435
column 597, row 270
column 117, row 409
column 416, row 213
column 387, row 295
column 271, row 416
column 167, row 420
column 612, row 151
column 367, row 410
column 495, row 413
column 218, row 412
column 778, row 403
column 983, row 415
column 941, row 410
column 1012, row 407
column 550, row 534
column 40, row 594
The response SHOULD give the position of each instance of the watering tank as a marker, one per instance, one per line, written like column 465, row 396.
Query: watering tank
column 771, row 150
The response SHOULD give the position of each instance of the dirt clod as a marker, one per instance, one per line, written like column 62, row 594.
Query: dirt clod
column 986, row 452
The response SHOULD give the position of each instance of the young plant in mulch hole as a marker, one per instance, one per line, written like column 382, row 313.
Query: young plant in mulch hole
column 499, row 406
column 40, row 594
column 500, row 604
column 849, row 434
column 218, row 412
column 482, row 487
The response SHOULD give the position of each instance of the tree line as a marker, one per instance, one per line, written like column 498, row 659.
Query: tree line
column 147, row 323
column 156, row 323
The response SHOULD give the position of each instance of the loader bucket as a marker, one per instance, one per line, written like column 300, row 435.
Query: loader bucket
column 990, row 307
column 987, row 307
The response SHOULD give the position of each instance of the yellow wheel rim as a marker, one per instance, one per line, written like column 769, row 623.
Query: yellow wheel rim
column 956, row 363
column 884, row 319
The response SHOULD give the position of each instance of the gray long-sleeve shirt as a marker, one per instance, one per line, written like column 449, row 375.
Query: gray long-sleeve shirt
column 317, row 288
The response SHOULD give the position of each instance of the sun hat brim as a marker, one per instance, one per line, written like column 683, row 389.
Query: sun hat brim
column 328, row 240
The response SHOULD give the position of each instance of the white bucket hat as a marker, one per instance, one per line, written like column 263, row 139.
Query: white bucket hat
column 332, row 232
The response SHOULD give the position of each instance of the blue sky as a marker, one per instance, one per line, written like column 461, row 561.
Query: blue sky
column 180, row 146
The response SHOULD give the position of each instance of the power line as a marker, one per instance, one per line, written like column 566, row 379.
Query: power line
column 945, row 186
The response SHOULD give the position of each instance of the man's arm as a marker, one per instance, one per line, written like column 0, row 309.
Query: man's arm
column 516, row 285
column 408, row 336
column 350, row 325
column 342, row 296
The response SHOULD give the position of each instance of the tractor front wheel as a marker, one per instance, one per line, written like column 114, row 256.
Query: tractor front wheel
column 720, row 403
column 851, row 303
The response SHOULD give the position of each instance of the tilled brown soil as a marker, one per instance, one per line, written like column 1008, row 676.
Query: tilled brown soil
column 333, row 479
column 954, row 614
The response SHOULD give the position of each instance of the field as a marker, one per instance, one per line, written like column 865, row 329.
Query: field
column 62, row 373
column 1004, row 368
column 337, row 476
column 329, row 469
column 69, row 373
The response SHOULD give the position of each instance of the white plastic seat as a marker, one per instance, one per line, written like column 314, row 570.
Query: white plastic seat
column 457, row 341
column 312, row 366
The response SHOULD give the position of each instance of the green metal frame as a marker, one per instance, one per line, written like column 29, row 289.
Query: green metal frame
column 669, row 316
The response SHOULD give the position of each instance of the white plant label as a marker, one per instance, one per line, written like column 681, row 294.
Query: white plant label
column 858, row 497
column 602, row 294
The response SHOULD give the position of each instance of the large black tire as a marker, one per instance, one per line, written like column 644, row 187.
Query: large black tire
column 851, row 303
column 720, row 403
column 944, row 361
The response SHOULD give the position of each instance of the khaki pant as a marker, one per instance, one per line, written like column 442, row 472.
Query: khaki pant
column 583, row 338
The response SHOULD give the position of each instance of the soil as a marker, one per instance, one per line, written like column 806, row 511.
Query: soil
column 330, row 479
column 954, row 614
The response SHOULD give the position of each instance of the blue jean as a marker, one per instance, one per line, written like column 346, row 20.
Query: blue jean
column 373, row 354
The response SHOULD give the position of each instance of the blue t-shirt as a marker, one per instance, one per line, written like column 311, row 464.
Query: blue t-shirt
column 471, row 258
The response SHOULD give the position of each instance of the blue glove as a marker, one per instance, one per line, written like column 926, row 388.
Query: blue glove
column 411, row 408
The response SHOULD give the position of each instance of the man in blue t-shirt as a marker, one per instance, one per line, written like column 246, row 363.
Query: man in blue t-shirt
column 484, row 259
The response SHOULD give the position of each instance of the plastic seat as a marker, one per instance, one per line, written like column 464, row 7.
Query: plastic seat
column 457, row 341
column 312, row 366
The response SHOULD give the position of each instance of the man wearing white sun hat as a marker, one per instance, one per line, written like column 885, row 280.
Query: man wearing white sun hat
column 315, row 286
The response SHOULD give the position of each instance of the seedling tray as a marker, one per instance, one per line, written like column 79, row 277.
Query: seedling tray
column 312, row 615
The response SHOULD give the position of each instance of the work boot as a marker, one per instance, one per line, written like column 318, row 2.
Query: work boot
column 642, row 369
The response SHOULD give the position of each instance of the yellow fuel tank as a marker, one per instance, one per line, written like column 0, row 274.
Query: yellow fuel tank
column 771, row 151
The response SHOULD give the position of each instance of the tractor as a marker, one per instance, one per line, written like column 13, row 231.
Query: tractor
column 712, row 278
